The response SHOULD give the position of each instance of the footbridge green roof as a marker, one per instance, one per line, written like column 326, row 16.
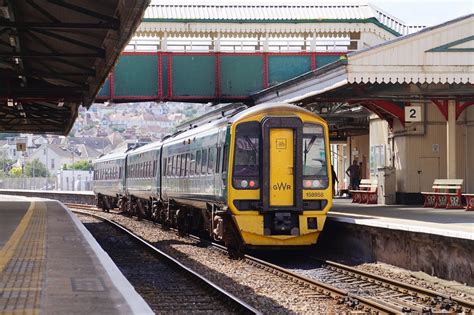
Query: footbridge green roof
column 320, row 13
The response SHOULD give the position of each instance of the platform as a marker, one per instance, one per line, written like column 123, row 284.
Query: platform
column 50, row 264
column 443, row 222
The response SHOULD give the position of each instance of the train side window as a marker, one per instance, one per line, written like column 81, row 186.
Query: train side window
column 204, row 162
column 198, row 162
column 192, row 163
column 188, row 162
column 225, row 159
column 218, row 160
column 165, row 166
column 181, row 165
column 169, row 167
column 173, row 166
column 212, row 159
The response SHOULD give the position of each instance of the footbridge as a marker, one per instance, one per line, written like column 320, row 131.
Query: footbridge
column 226, row 53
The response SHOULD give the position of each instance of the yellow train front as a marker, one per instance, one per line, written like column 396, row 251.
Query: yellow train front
column 279, row 180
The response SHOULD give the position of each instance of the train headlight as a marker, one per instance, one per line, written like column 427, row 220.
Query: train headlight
column 245, row 183
column 320, row 183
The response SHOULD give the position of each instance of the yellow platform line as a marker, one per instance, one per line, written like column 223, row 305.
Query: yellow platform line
column 8, row 250
column 33, row 311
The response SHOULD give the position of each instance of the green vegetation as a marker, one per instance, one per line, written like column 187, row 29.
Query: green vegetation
column 36, row 169
column 80, row 165
column 15, row 172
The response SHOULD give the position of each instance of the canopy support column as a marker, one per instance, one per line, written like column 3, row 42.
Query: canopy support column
column 451, row 139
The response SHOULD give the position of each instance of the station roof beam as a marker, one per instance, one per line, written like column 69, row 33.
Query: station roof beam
column 55, row 55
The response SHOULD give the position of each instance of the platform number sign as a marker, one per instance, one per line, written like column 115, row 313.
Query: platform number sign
column 413, row 113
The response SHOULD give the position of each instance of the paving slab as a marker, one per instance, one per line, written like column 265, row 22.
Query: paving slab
column 51, row 264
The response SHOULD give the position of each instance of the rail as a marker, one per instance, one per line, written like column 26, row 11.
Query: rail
column 233, row 301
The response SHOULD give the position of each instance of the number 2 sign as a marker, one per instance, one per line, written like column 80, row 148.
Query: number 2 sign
column 412, row 113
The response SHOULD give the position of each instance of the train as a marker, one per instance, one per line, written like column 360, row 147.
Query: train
column 250, row 177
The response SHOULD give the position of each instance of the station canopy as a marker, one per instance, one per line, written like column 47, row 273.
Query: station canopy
column 435, row 64
column 55, row 55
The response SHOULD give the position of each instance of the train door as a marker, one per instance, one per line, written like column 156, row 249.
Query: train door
column 281, row 167
column 282, row 137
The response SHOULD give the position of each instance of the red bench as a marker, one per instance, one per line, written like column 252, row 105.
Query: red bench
column 367, row 192
column 469, row 201
column 446, row 194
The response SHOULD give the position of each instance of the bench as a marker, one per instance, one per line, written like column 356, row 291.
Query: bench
column 442, row 195
column 469, row 201
column 367, row 192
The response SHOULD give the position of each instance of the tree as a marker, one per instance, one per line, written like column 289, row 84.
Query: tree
column 36, row 169
column 80, row 165
column 6, row 164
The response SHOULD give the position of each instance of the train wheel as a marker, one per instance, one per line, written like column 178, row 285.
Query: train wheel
column 182, row 222
column 232, row 241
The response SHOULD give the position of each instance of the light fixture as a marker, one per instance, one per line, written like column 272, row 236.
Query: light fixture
column 4, row 11
column 17, row 60
column 12, row 40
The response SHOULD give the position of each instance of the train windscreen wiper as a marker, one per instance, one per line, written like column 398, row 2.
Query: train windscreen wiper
column 251, row 144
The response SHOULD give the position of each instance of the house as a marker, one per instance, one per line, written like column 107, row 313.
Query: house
column 54, row 156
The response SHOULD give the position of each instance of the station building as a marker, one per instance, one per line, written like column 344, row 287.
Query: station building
column 418, row 89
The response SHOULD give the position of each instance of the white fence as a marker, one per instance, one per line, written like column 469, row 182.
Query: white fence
column 63, row 181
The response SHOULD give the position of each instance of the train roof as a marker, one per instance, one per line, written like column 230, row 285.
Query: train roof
column 114, row 155
column 146, row 147
column 111, row 156
column 265, row 107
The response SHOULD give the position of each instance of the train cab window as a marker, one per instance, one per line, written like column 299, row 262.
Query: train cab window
column 192, row 163
column 204, row 162
column 314, row 156
column 198, row 162
column 212, row 159
column 247, row 150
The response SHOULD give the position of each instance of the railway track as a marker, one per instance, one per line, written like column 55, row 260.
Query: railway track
column 405, row 297
column 165, row 283
column 363, row 291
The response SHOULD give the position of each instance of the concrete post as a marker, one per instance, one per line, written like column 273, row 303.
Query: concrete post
column 313, row 42
column 451, row 140
column 266, row 44
column 217, row 42
column 164, row 42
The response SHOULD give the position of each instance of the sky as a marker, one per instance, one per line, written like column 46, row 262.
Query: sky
column 412, row 12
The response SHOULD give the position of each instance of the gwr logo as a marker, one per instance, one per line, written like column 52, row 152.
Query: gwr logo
column 281, row 186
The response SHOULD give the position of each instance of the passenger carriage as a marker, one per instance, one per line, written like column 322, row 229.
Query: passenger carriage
column 109, row 179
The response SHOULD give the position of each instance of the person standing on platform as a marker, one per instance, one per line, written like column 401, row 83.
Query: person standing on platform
column 353, row 172
column 334, row 180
